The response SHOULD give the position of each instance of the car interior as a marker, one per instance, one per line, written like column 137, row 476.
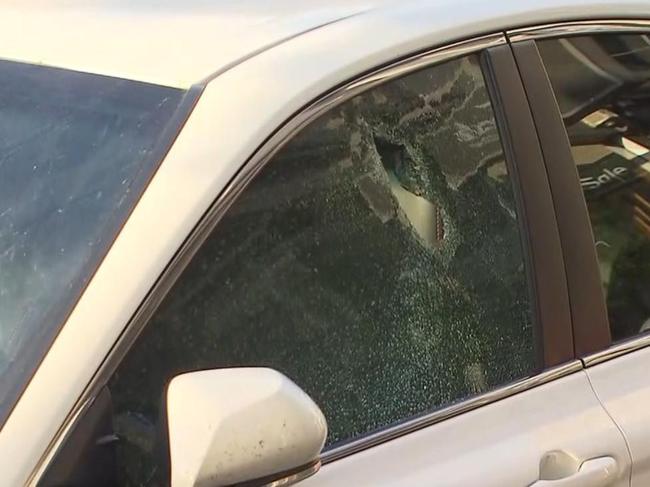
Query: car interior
column 602, row 90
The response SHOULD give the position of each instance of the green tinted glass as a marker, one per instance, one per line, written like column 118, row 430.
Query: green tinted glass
column 376, row 261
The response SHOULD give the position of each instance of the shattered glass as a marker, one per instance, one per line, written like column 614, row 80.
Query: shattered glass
column 376, row 261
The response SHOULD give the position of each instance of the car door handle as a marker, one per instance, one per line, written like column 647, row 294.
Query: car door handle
column 599, row 472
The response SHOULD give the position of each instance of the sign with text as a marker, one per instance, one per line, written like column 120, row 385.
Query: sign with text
column 607, row 174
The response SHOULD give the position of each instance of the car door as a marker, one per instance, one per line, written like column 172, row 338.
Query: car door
column 598, row 96
column 398, row 257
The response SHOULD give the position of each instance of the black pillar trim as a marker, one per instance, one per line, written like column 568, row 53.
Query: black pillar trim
column 588, row 309
column 541, row 240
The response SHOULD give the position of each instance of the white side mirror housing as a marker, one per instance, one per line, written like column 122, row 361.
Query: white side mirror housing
column 230, row 426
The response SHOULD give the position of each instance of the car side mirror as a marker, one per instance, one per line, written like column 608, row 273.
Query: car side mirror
column 249, row 426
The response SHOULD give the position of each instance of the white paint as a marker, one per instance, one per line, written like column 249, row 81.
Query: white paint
column 236, row 113
column 181, row 43
column 229, row 426
column 499, row 445
column 164, row 44
column 623, row 386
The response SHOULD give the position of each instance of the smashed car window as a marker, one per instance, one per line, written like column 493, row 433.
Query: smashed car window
column 376, row 261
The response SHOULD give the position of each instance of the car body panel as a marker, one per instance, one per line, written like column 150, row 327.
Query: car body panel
column 624, row 390
column 179, row 44
column 498, row 445
column 238, row 110
column 172, row 44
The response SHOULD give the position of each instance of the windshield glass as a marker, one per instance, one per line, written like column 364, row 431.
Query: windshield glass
column 76, row 151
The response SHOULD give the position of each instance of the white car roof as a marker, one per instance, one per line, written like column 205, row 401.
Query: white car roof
column 182, row 42
column 174, row 43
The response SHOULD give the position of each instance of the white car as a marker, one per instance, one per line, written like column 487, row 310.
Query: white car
column 333, row 243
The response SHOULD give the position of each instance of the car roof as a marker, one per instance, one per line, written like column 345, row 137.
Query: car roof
column 183, row 42
column 174, row 43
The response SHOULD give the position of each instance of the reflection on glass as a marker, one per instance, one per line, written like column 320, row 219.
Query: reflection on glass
column 602, row 84
column 75, row 153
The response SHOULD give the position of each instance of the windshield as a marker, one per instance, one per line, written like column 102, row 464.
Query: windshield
column 76, row 151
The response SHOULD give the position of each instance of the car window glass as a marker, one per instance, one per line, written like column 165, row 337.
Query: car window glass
column 376, row 261
column 602, row 84
column 76, row 151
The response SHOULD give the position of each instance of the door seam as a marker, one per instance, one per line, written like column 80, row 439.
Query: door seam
column 618, row 427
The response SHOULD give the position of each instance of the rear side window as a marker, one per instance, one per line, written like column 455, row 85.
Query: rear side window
column 602, row 84
column 376, row 261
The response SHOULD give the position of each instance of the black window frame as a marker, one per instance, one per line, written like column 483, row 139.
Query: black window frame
column 538, row 219
column 588, row 310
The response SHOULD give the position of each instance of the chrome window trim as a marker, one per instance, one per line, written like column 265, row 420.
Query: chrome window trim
column 233, row 189
column 617, row 349
column 572, row 28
